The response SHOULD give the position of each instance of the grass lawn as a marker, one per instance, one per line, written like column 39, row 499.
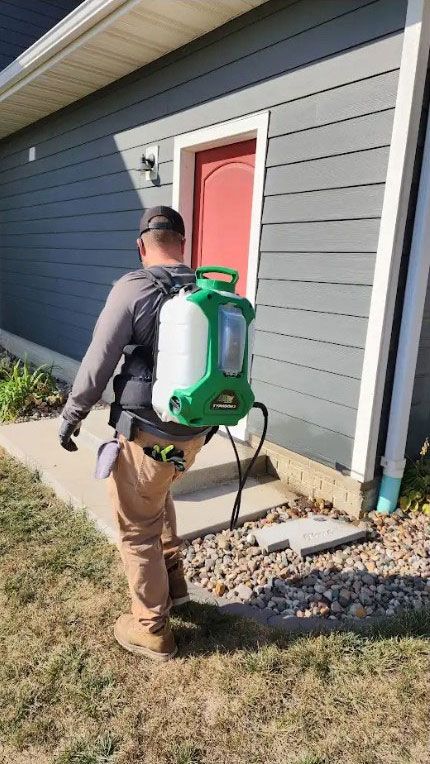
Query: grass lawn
column 238, row 693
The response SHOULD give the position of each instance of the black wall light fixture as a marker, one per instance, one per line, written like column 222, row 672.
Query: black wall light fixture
column 149, row 163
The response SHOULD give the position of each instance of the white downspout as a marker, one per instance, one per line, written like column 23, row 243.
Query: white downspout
column 413, row 308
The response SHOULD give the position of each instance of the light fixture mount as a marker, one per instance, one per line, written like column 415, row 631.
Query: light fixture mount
column 149, row 162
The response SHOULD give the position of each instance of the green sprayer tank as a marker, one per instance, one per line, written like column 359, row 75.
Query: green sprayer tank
column 202, row 354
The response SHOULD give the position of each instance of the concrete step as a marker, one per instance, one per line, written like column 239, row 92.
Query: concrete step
column 215, row 463
column 71, row 476
column 209, row 510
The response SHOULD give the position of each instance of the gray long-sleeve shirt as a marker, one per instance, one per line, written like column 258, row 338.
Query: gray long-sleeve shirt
column 128, row 318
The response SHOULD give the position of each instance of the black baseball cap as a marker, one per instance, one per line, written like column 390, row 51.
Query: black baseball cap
column 173, row 222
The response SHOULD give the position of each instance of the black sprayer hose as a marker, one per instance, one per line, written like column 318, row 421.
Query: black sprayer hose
column 233, row 443
column 244, row 477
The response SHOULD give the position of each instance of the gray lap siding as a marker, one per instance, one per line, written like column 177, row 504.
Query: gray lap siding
column 327, row 73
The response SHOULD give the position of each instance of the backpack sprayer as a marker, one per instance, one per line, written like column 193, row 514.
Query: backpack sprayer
column 202, row 352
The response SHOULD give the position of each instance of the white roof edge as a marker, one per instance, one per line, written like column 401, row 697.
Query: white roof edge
column 80, row 22
column 95, row 45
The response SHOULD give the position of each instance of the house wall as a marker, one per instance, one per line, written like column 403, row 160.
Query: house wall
column 328, row 74
column 419, row 423
column 22, row 22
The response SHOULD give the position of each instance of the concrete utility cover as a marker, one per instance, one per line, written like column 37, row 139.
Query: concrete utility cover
column 308, row 535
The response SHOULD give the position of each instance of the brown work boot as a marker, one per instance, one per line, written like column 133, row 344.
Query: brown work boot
column 178, row 588
column 158, row 646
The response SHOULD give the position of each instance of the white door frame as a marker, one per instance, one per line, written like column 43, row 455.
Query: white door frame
column 223, row 133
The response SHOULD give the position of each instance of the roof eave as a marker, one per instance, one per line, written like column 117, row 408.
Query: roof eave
column 146, row 31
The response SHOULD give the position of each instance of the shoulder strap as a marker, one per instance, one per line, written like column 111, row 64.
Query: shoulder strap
column 166, row 281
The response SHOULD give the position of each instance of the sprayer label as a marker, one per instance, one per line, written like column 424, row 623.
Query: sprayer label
column 226, row 400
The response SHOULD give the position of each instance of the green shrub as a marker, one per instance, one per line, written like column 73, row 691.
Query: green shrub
column 21, row 389
column 415, row 489
column 5, row 366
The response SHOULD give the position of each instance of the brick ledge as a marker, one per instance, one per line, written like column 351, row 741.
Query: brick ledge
column 314, row 480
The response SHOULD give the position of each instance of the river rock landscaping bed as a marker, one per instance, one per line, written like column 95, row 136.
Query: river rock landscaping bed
column 384, row 575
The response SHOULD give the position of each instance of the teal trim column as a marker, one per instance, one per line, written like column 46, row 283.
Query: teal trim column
column 388, row 494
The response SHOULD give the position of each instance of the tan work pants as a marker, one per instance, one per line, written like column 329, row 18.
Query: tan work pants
column 140, row 491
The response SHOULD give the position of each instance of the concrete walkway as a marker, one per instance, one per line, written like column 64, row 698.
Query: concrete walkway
column 203, row 502
column 204, row 497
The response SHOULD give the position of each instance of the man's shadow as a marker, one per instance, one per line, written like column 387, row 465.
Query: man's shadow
column 203, row 629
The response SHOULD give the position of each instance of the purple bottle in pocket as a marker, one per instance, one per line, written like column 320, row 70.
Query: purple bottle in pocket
column 106, row 458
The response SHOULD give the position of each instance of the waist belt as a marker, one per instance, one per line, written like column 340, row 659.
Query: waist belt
column 124, row 422
column 127, row 423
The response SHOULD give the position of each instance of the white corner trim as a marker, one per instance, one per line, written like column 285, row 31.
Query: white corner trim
column 222, row 133
column 413, row 68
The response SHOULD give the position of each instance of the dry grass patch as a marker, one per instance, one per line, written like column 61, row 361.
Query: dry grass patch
column 238, row 693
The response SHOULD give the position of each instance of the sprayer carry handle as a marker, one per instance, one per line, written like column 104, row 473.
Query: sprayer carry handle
column 218, row 269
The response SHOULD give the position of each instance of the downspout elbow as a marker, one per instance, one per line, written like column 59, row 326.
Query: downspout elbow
column 389, row 489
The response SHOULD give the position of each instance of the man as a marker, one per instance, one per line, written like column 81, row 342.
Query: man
column 139, row 485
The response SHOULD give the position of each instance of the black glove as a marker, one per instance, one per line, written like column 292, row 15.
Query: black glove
column 65, row 434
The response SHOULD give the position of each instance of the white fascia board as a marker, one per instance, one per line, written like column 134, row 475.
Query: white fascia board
column 83, row 22
column 407, row 115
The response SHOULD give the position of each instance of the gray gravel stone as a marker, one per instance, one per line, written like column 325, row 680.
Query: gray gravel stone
column 344, row 597
column 388, row 572
column 244, row 592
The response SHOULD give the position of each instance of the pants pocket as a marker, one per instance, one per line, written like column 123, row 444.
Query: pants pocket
column 153, row 478
column 191, row 450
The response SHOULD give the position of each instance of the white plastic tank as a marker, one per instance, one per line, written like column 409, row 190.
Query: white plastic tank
column 181, row 355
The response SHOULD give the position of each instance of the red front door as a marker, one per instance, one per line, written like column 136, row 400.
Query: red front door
column 223, row 183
